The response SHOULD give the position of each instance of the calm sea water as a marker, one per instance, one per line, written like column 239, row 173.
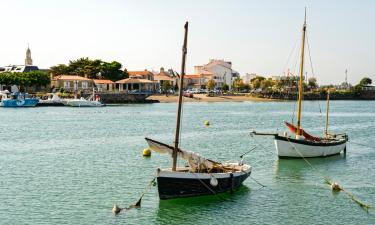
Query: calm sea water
column 70, row 165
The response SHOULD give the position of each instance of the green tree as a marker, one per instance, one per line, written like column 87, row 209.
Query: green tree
column 94, row 69
column 365, row 81
column 60, row 69
column 312, row 84
column 238, row 84
column 256, row 82
column 265, row 84
column 27, row 79
column 166, row 86
column 225, row 87
column 210, row 84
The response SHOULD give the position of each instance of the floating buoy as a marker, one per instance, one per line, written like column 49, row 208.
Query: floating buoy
column 335, row 186
column 207, row 123
column 116, row 210
column 146, row 152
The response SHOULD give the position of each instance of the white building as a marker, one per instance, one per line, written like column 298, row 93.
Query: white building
column 222, row 72
column 248, row 76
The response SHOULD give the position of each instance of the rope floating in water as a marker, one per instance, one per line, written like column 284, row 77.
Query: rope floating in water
column 334, row 185
column 117, row 209
column 337, row 188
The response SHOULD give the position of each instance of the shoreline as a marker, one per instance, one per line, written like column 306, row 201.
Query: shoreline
column 204, row 98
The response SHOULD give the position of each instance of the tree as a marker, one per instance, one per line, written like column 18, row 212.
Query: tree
column 26, row 79
column 365, row 81
column 94, row 69
column 166, row 86
column 211, row 84
column 265, row 84
column 312, row 84
column 225, row 87
column 255, row 82
column 238, row 84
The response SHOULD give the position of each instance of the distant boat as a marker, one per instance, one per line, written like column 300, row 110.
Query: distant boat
column 17, row 99
column 202, row 176
column 53, row 100
column 303, row 144
column 92, row 101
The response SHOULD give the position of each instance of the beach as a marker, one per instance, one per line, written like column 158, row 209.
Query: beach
column 205, row 98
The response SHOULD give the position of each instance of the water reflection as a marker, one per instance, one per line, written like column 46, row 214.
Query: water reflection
column 297, row 169
column 195, row 209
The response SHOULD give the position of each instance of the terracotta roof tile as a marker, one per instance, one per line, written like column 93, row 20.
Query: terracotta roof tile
column 143, row 72
column 134, row 81
column 97, row 81
column 71, row 77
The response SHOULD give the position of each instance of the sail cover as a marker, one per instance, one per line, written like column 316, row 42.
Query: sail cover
column 196, row 162
column 307, row 136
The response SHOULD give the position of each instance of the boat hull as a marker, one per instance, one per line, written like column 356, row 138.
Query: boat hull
column 188, row 184
column 292, row 148
column 84, row 103
column 11, row 103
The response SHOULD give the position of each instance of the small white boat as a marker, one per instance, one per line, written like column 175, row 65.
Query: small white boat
column 53, row 100
column 82, row 102
column 92, row 101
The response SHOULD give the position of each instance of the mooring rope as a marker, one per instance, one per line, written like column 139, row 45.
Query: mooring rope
column 261, row 185
column 334, row 185
column 116, row 209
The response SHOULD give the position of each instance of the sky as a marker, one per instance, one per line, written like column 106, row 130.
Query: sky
column 260, row 37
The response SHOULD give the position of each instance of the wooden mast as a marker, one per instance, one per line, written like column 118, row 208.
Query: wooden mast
column 300, row 88
column 177, row 134
column 326, row 131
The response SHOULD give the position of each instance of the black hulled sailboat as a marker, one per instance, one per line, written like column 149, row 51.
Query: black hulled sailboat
column 202, row 176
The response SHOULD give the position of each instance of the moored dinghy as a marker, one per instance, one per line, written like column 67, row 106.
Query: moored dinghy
column 202, row 176
column 303, row 144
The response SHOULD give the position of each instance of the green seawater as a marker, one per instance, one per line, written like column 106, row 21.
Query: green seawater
column 70, row 165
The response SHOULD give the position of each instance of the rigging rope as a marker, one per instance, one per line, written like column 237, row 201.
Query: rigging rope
column 308, row 47
column 290, row 54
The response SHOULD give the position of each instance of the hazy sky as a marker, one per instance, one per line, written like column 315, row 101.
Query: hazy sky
column 257, row 36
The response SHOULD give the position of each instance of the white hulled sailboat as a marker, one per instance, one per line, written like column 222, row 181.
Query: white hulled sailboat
column 302, row 144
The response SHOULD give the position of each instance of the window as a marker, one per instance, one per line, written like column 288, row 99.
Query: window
column 85, row 85
column 66, row 84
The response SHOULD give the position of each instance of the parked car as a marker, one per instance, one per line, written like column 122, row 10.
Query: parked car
column 188, row 94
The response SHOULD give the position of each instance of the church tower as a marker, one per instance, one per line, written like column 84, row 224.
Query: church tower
column 28, row 60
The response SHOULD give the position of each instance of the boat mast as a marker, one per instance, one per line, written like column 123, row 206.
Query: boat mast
column 326, row 131
column 300, row 87
column 177, row 134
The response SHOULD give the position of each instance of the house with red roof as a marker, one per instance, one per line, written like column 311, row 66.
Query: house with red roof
column 72, row 83
column 221, row 71
column 164, row 76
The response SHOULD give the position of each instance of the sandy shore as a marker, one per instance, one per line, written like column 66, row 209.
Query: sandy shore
column 204, row 98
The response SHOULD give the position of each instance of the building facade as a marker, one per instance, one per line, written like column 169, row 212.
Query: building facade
column 72, row 83
column 222, row 72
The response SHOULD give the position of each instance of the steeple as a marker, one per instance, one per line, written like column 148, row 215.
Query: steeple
column 28, row 60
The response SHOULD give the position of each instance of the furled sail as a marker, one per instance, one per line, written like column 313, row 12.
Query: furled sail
column 196, row 162
column 307, row 136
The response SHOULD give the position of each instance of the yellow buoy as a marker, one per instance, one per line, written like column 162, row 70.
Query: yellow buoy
column 146, row 152
column 207, row 123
